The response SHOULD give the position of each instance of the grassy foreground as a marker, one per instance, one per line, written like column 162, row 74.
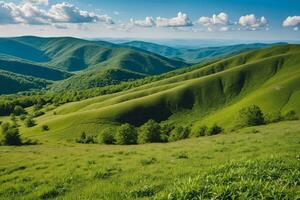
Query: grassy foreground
column 65, row 170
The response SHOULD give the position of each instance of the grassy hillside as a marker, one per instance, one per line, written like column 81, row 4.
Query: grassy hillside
column 13, row 83
column 267, row 77
column 62, row 170
column 196, row 55
column 27, row 68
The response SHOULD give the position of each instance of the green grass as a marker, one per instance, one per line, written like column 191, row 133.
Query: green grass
column 64, row 170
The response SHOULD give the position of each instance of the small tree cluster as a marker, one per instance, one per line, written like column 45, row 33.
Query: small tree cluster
column 29, row 122
column 11, row 135
column 205, row 131
column 126, row 134
column 251, row 116
column 84, row 139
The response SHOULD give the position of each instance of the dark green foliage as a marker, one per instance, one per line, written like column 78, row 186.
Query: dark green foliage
column 202, row 131
column 149, row 132
column 251, row 116
column 84, row 139
column 29, row 122
column 291, row 115
column 106, row 137
column 18, row 110
column 214, row 130
column 45, row 127
column 11, row 135
column 54, row 192
column 179, row 133
column 266, row 179
column 38, row 113
column 126, row 134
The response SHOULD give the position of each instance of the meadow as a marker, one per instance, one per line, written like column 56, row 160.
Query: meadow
column 64, row 170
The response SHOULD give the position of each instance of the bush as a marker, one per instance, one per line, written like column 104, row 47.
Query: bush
column 126, row 135
column 84, row 139
column 29, row 122
column 11, row 135
column 18, row 110
column 106, row 137
column 150, row 132
column 251, row 116
column 45, row 128
column 201, row 131
column 291, row 115
column 214, row 130
column 179, row 133
column 273, row 117
column 38, row 113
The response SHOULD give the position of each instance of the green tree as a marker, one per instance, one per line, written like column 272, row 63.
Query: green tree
column 214, row 130
column 150, row 132
column 11, row 135
column 251, row 116
column 106, row 137
column 179, row 133
column 29, row 122
column 126, row 134
column 18, row 110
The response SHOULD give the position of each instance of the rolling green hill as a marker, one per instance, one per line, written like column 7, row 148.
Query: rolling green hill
column 196, row 55
column 267, row 77
column 13, row 83
column 28, row 68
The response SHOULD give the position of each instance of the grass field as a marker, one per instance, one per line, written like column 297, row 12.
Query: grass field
column 64, row 170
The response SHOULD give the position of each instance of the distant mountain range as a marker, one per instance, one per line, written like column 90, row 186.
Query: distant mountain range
column 66, row 63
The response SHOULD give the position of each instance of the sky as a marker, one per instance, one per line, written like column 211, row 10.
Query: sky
column 158, row 19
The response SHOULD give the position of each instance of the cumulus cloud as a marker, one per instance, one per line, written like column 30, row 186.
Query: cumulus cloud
column 252, row 22
column 38, row 2
column 30, row 13
column 291, row 21
column 220, row 19
column 181, row 20
column 147, row 22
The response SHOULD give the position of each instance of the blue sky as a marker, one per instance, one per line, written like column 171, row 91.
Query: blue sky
column 194, row 19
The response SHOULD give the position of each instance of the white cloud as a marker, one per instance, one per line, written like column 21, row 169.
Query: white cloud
column 220, row 19
column 147, row 22
column 224, row 29
column 116, row 13
column 29, row 13
column 291, row 21
column 38, row 2
column 252, row 22
column 181, row 20
column 295, row 28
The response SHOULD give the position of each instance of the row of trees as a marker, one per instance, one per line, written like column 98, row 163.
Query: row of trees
column 150, row 132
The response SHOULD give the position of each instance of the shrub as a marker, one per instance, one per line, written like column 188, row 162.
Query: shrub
column 18, row 110
column 38, row 113
column 11, row 135
column 150, row 132
column 126, row 135
column 201, row 131
column 273, row 117
column 145, row 191
column 214, row 130
column 251, row 116
column 29, row 122
column 106, row 137
column 179, row 133
column 291, row 115
column 45, row 127
column 148, row 161
column 22, row 117
column 84, row 139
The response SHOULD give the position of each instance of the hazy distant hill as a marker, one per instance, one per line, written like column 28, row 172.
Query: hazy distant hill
column 196, row 55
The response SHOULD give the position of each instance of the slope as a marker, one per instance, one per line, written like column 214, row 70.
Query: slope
column 267, row 77
column 13, row 83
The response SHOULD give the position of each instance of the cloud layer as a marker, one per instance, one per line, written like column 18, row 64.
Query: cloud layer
column 30, row 13
column 251, row 21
